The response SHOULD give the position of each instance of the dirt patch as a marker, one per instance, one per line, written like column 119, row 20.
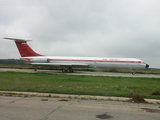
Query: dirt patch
column 63, row 100
column 44, row 100
column 104, row 116
column 151, row 110
column 156, row 93
column 137, row 99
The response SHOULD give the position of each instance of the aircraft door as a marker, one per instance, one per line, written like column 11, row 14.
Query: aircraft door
column 48, row 60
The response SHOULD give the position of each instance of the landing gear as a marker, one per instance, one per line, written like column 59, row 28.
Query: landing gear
column 67, row 70
column 63, row 70
column 35, row 68
column 133, row 73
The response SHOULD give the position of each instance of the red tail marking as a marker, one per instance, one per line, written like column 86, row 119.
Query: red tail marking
column 25, row 50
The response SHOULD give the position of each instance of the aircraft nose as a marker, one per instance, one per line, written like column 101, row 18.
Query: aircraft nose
column 147, row 66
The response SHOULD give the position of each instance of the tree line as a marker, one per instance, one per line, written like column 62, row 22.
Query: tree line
column 12, row 61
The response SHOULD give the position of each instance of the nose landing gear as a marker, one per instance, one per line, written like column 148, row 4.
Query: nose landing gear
column 134, row 72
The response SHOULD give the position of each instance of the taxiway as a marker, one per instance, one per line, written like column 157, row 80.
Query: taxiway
column 84, row 73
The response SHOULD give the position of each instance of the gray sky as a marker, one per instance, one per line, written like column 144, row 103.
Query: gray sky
column 95, row 28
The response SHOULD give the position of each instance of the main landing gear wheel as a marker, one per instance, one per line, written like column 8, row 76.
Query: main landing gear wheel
column 67, row 70
column 71, row 70
column 63, row 71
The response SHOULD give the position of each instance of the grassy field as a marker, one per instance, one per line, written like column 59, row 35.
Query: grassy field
column 81, row 85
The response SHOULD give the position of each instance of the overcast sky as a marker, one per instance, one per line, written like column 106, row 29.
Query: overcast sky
column 95, row 28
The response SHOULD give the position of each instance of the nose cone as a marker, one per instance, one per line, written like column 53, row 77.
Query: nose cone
column 147, row 66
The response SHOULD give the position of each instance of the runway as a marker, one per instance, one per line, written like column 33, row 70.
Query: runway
column 84, row 73
column 47, row 108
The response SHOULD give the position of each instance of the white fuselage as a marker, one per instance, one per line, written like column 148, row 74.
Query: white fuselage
column 90, row 62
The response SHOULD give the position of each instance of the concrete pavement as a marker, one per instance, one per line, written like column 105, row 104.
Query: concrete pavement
column 47, row 108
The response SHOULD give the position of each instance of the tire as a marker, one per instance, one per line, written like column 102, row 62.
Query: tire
column 63, row 71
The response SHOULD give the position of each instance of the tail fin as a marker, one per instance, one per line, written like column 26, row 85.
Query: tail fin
column 23, row 48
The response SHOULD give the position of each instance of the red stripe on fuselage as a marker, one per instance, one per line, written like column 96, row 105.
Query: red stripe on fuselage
column 77, row 60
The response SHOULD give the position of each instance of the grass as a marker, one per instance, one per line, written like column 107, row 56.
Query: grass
column 79, row 84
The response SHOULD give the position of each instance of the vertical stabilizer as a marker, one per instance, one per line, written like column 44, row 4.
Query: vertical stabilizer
column 24, row 49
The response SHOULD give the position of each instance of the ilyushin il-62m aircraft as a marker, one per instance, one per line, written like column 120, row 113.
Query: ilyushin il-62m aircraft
column 67, row 63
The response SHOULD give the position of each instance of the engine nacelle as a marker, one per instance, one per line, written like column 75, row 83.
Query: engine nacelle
column 39, row 60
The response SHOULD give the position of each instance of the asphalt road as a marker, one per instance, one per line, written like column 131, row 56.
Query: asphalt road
column 45, row 108
column 84, row 73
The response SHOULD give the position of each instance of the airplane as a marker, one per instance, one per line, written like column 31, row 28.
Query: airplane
column 67, row 63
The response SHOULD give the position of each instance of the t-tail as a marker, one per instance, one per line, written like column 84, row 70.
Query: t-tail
column 24, row 49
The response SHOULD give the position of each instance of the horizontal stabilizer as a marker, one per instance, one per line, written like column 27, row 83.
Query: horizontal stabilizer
column 23, row 47
column 17, row 40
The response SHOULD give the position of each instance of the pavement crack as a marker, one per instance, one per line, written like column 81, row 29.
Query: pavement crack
column 16, row 100
column 70, row 103
column 46, row 117
column 59, row 107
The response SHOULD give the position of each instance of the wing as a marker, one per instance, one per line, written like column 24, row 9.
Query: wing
column 62, row 64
